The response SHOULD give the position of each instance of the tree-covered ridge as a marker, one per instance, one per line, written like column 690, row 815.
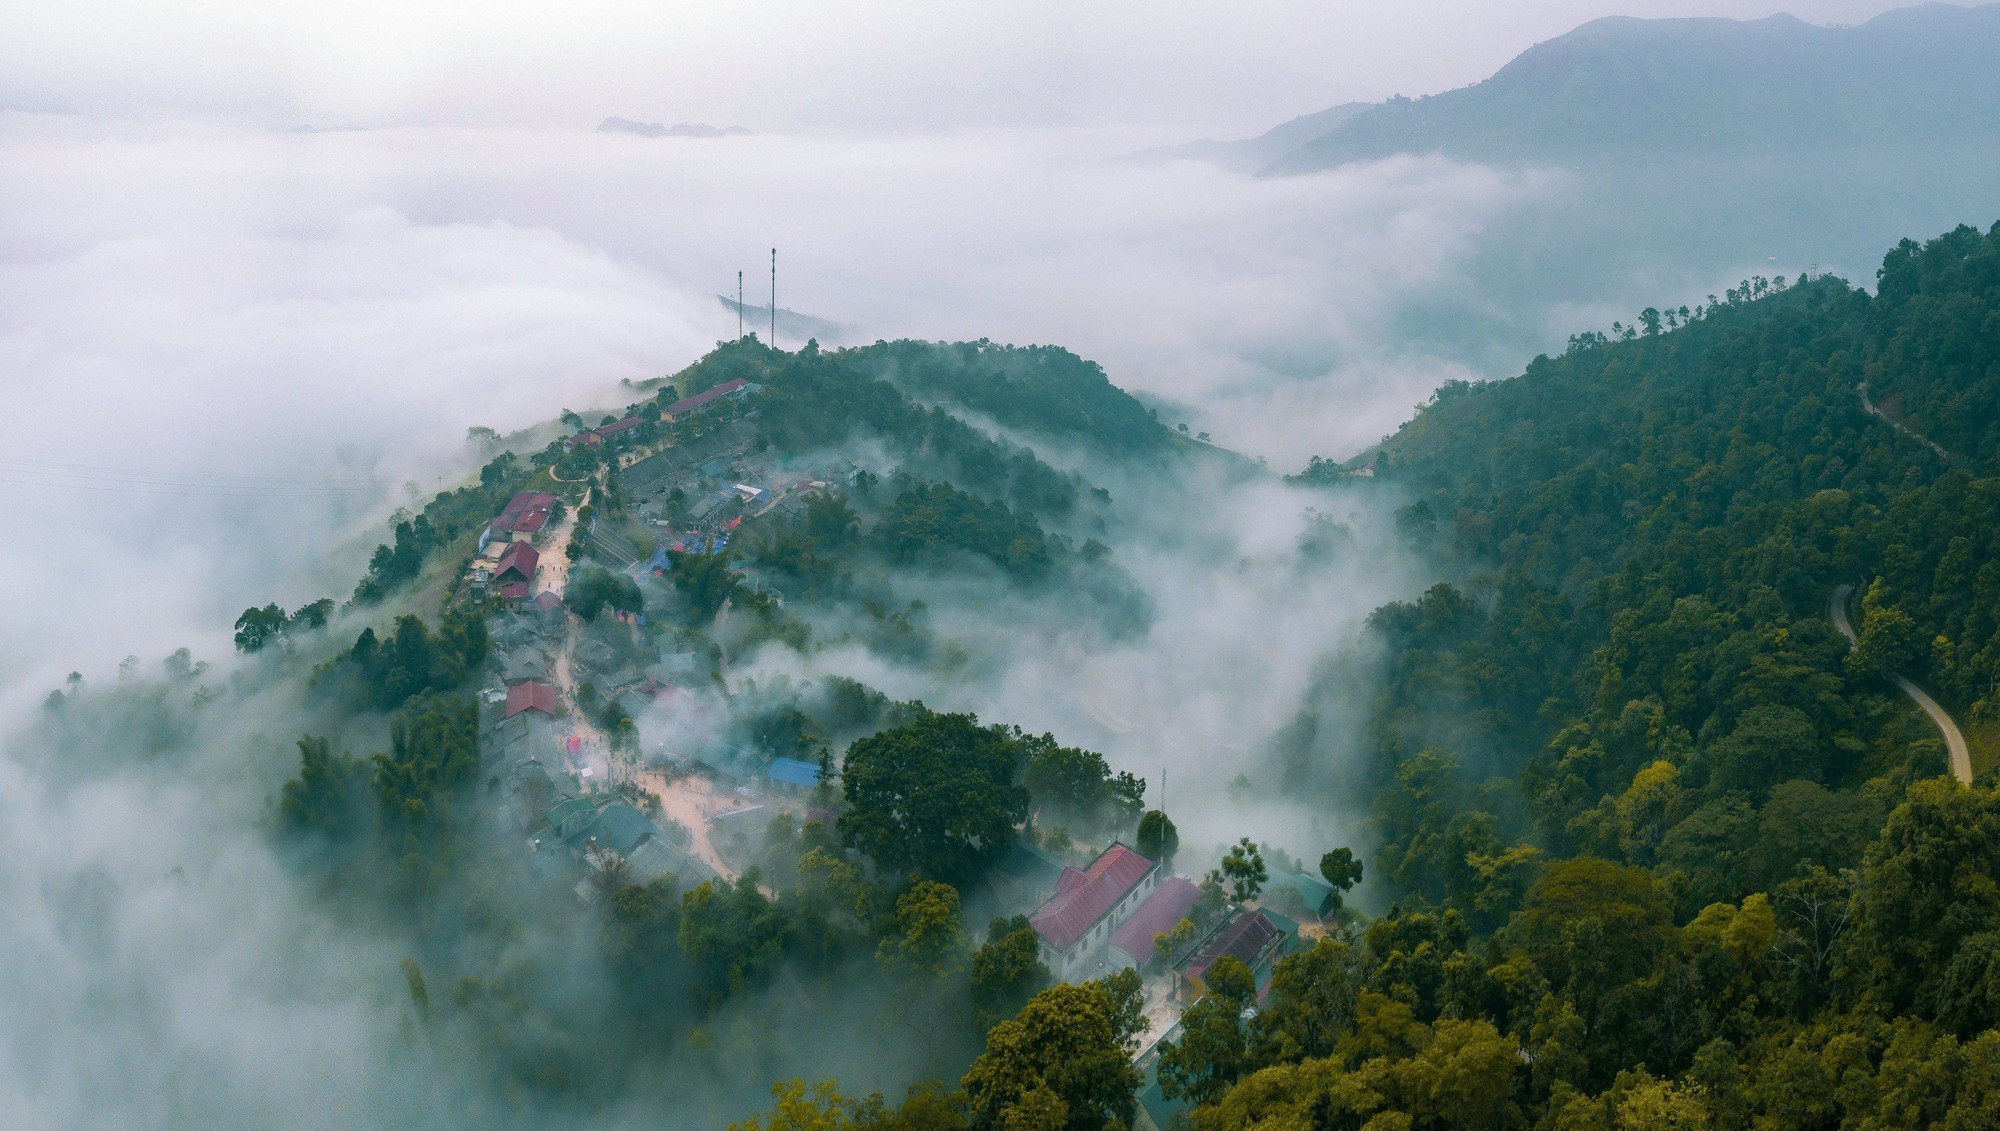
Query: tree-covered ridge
column 1671, row 853
column 1939, row 372
column 1733, row 460
column 819, row 400
column 1041, row 389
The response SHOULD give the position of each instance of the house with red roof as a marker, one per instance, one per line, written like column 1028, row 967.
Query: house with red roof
column 517, row 563
column 531, row 695
column 525, row 501
column 702, row 400
column 526, row 513
column 606, row 431
column 1090, row 904
column 1172, row 900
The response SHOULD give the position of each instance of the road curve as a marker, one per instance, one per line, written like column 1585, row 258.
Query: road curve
column 1954, row 739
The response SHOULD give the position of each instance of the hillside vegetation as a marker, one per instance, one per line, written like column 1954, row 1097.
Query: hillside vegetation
column 1669, row 853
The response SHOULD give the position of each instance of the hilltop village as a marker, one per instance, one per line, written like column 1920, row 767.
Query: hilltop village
column 1677, row 778
column 605, row 600
column 620, row 764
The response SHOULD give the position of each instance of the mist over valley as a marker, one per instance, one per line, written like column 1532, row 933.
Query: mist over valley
column 1473, row 609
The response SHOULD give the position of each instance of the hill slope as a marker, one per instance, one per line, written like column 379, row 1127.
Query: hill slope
column 1658, row 834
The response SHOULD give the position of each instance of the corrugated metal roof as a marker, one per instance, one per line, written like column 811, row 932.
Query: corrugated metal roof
column 793, row 771
column 530, row 695
column 519, row 558
column 1243, row 938
column 1168, row 905
column 526, row 500
column 700, row 399
column 1079, row 903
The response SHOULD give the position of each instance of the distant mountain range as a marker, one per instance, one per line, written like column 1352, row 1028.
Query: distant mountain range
column 1253, row 154
column 655, row 129
column 1620, row 87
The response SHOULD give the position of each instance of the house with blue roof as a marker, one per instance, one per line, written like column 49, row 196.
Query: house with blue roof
column 792, row 775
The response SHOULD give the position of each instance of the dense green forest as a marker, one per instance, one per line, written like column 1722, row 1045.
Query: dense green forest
column 1667, row 853
column 1649, row 844
column 1041, row 389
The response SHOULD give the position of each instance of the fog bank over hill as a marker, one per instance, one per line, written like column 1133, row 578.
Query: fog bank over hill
column 1689, row 150
column 204, row 305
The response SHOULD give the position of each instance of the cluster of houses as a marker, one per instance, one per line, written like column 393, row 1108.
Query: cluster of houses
column 603, row 831
column 1106, row 916
column 507, row 559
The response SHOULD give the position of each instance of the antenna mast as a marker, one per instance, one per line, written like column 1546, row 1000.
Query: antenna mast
column 739, row 306
column 774, row 298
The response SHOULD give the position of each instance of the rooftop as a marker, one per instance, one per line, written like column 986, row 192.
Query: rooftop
column 702, row 398
column 1243, row 938
column 519, row 557
column 1082, row 898
column 618, row 426
column 1168, row 905
column 620, row 828
column 530, row 695
column 793, row 771
column 528, row 500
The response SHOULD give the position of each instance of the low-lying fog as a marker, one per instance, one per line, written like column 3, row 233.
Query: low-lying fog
column 231, row 349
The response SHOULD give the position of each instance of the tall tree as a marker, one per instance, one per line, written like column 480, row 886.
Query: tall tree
column 937, row 795
column 1061, row 1063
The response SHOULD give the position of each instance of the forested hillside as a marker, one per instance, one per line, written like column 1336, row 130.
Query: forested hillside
column 1668, row 853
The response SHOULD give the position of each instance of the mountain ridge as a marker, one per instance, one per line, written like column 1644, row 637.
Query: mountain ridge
column 1623, row 84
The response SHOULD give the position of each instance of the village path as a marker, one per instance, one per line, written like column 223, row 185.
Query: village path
column 1871, row 408
column 553, row 577
column 1954, row 739
column 689, row 801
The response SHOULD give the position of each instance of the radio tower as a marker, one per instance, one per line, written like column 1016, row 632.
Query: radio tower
column 739, row 306
column 774, row 298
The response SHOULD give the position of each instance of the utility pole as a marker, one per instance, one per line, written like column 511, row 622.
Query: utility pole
column 739, row 306
column 774, row 298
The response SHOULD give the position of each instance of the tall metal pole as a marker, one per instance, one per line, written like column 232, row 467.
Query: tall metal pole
column 774, row 298
column 739, row 306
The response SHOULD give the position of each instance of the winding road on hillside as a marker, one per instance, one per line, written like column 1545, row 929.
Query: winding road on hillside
column 1954, row 739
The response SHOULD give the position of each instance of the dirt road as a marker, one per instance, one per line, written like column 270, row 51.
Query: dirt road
column 689, row 801
column 1954, row 739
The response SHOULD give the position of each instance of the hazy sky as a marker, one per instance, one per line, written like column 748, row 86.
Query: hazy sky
column 220, row 300
column 1200, row 66
column 230, row 348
